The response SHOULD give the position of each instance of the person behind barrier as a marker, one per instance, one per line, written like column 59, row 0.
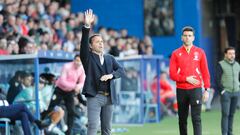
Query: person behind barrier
column 167, row 95
column 20, row 112
column 69, row 82
column 15, row 86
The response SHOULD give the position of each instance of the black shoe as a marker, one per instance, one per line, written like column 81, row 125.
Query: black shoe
column 81, row 100
column 208, row 110
column 43, row 124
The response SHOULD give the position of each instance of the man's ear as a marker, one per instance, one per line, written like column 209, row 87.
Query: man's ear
column 90, row 46
column 225, row 55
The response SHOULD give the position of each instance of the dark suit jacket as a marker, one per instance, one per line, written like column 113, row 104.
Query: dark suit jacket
column 94, row 71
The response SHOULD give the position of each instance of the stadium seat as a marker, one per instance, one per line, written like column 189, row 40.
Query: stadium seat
column 150, row 108
column 4, row 122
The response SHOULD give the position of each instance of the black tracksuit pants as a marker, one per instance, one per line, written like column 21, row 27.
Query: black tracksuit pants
column 68, row 98
column 186, row 98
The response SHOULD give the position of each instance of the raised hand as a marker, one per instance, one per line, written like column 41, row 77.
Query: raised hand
column 89, row 17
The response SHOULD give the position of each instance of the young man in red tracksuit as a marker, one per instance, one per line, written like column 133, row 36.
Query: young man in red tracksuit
column 189, row 68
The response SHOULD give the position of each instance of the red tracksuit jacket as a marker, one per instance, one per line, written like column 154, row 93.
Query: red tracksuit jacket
column 183, row 65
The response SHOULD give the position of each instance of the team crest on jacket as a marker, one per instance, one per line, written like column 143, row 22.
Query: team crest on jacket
column 196, row 56
column 197, row 101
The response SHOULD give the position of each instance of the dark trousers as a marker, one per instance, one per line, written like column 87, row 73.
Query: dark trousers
column 186, row 98
column 18, row 112
column 68, row 98
column 229, row 102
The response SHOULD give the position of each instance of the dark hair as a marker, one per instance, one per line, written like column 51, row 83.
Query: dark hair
column 91, row 37
column 18, row 73
column 163, row 72
column 188, row 28
column 229, row 48
column 48, row 78
column 77, row 55
column 43, row 80
column 22, row 42
column 25, row 75
column 32, row 32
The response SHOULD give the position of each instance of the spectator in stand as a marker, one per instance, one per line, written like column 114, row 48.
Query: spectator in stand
column 2, row 30
column 21, row 25
column 52, row 11
column 77, row 41
column 79, row 19
column 69, row 45
column 22, row 8
column 124, row 33
column 148, row 50
column 10, row 25
column 63, row 27
column 71, row 23
column 26, row 46
column 31, row 10
column 13, row 47
column 128, row 51
column 103, row 31
column 114, row 50
column 46, row 39
column 147, row 40
column 43, row 46
column 141, row 47
column 112, row 32
column 159, row 17
column 3, row 47
column 58, row 32
column 32, row 25
column 47, row 23
column 34, row 35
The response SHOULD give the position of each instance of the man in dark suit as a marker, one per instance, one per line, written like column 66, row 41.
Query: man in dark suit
column 101, row 70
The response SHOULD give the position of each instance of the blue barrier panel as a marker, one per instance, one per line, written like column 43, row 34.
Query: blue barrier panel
column 134, row 90
column 31, row 63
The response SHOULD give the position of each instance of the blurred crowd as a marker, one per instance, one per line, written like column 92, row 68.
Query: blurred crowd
column 159, row 17
column 27, row 26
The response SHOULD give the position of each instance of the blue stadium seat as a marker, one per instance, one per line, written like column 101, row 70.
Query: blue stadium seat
column 4, row 122
column 149, row 107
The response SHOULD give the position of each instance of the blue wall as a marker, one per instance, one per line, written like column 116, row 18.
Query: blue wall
column 115, row 13
column 186, row 12
column 129, row 14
